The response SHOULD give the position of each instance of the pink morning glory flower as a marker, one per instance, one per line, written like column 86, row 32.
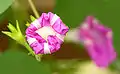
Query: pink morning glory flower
column 46, row 34
column 97, row 40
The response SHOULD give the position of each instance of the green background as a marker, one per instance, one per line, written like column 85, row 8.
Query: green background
column 72, row 12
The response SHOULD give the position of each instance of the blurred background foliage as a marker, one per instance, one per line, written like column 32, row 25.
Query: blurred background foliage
column 72, row 58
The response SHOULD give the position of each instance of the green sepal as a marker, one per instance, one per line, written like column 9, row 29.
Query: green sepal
column 15, row 33
column 32, row 18
column 27, row 24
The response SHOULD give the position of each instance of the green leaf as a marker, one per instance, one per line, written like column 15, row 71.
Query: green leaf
column 6, row 15
column 4, row 4
column 16, row 62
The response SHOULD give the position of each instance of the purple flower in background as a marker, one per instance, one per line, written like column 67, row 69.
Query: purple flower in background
column 46, row 34
column 97, row 40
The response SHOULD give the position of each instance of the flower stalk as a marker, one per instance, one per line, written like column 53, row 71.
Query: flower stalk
column 33, row 8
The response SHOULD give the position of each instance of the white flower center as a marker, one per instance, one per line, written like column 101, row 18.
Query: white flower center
column 45, row 31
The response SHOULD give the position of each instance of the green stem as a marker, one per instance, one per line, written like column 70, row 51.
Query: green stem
column 31, row 52
column 33, row 8
column 29, row 49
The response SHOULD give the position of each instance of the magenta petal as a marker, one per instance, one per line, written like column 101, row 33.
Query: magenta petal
column 60, row 27
column 44, row 19
column 50, row 15
column 98, row 56
column 99, row 45
column 31, row 29
column 54, row 44
column 37, row 47
column 39, row 38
